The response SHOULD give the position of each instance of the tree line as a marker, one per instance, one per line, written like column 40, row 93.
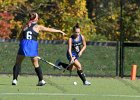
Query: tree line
column 99, row 19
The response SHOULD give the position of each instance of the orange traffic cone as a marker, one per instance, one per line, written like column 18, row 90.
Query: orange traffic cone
column 133, row 72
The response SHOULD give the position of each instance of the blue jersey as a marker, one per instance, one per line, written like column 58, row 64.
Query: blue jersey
column 76, row 46
column 29, row 45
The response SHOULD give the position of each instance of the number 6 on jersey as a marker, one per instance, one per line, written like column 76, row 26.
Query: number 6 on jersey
column 29, row 35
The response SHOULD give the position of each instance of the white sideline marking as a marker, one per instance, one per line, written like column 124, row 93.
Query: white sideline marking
column 54, row 94
column 130, row 96
column 68, row 94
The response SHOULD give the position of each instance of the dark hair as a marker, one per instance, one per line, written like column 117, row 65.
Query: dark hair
column 76, row 26
column 32, row 15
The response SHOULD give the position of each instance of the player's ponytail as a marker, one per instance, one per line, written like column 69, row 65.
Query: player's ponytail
column 33, row 16
column 76, row 26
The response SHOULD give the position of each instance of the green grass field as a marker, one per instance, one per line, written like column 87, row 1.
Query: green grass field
column 96, row 60
column 62, row 88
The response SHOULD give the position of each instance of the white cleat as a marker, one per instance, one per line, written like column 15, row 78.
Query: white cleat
column 87, row 83
column 41, row 83
column 14, row 82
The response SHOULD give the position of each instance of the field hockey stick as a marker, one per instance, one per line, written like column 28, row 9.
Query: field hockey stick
column 49, row 63
column 69, row 65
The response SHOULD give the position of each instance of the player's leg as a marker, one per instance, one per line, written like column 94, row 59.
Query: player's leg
column 69, row 67
column 72, row 67
column 80, row 72
column 16, row 68
column 65, row 65
column 38, row 71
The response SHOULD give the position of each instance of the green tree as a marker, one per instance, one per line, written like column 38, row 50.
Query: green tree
column 131, row 21
column 62, row 14
column 67, row 13
column 106, row 16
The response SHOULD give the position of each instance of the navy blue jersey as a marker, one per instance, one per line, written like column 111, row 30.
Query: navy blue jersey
column 29, row 45
column 29, row 34
column 76, row 47
column 76, row 44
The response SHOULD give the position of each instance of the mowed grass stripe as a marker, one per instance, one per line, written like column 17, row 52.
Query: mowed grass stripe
column 66, row 94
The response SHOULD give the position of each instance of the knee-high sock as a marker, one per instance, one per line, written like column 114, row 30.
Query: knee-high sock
column 64, row 65
column 81, row 75
column 39, row 73
column 16, row 70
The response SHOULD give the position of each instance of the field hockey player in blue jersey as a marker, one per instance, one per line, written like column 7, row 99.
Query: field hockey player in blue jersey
column 76, row 47
column 28, row 47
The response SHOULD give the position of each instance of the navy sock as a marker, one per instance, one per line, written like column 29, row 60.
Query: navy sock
column 39, row 73
column 16, row 70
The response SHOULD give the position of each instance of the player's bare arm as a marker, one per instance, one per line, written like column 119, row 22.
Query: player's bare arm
column 42, row 28
column 84, row 46
column 70, row 49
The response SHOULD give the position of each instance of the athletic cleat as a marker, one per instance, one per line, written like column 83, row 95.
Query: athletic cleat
column 87, row 83
column 41, row 83
column 57, row 63
column 14, row 82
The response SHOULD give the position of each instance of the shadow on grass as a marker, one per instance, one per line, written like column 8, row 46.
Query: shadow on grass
column 57, row 86
column 130, row 85
column 3, row 84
